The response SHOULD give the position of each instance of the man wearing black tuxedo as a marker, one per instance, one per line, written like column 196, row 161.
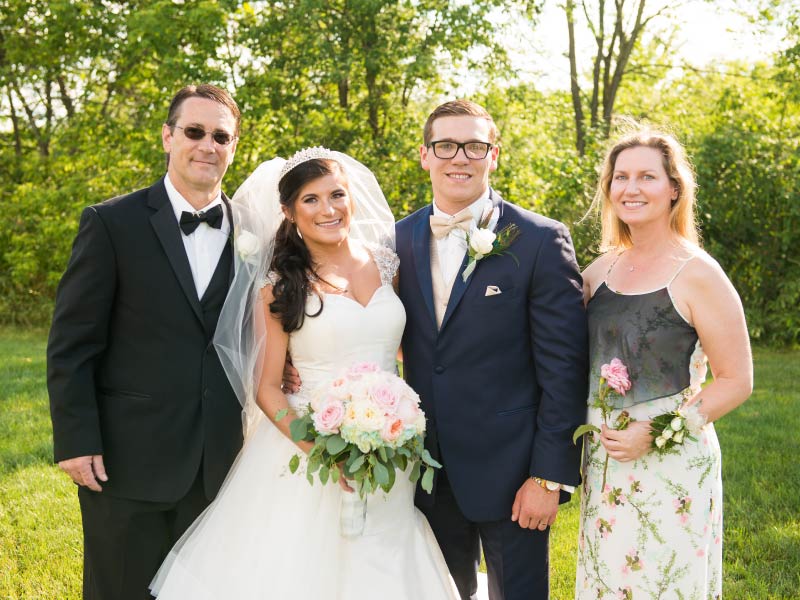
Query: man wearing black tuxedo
column 144, row 419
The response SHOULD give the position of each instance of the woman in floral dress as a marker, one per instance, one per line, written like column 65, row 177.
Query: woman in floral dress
column 666, row 309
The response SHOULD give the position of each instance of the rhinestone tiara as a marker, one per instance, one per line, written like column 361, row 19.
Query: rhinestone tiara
column 305, row 155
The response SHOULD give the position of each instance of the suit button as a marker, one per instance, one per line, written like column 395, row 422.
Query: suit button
column 206, row 393
column 439, row 369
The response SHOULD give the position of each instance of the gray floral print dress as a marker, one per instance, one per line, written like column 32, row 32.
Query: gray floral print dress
column 655, row 530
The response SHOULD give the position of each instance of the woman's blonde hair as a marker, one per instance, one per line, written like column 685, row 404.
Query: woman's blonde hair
column 615, row 234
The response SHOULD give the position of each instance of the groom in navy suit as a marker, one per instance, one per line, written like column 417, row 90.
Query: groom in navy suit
column 499, row 358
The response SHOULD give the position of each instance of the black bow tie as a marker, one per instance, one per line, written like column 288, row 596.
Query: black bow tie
column 190, row 221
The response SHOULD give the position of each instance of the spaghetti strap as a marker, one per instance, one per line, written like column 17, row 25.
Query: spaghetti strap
column 611, row 266
column 678, row 271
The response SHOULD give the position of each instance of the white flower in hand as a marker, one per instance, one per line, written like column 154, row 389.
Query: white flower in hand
column 482, row 241
column 695, row 421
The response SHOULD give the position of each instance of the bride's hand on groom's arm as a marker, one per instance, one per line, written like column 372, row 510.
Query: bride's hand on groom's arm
column 534, row 507
column 291, row 378
column 86, row 471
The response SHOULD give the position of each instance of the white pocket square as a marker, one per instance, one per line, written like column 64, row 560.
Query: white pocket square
column 492, row 290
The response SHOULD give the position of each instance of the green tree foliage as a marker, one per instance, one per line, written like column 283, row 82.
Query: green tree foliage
column 84, row 86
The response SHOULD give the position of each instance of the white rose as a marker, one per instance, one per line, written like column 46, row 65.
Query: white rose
column 660, row 441
column 482, row 240
column 667, row 433
column 678, row 437
column 676, row 424
column 368, row 417
column 694, row 420
column 246, row 244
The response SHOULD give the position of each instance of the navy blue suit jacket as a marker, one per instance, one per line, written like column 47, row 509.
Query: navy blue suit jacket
column 504, row 382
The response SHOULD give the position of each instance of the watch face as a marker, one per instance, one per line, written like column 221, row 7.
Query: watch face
column 551, row 485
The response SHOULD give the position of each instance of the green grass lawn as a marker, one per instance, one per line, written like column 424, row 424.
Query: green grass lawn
column 40, row 535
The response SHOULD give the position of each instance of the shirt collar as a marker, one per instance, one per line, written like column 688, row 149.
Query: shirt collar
column 181, row 204
column 477, row 208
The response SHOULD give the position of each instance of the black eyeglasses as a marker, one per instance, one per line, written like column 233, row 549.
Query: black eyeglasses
column 198, row 133
column 472, row 150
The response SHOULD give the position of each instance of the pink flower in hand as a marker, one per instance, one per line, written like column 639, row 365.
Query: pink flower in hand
column 330, row 417
column 616, row 375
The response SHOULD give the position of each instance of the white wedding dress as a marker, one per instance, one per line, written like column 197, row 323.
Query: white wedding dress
column 271, row 535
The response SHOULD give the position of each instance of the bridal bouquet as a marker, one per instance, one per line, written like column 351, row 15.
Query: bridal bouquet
column 368, row 423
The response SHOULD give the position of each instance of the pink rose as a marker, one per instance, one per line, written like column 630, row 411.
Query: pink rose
column 330, row 417
column 392, row 430
column 408, row 410
column 385, row 398
column 358, row 369
column 616, row 375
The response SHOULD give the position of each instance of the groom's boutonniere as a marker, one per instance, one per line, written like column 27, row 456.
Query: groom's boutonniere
column 483, row 242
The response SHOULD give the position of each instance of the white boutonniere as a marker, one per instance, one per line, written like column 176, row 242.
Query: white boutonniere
column 246, row 244
column 483, row 242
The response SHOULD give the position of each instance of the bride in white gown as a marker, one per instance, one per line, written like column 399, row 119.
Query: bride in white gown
column 269, row 534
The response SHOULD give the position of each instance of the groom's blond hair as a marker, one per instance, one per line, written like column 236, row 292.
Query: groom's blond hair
column 459, row 108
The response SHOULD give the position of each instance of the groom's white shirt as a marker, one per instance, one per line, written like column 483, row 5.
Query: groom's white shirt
column 453, row 246
column 205, row 245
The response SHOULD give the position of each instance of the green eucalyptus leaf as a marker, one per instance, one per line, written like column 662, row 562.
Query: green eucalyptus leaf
column 582, row 430
column 355, row 465
column 381, row 473
column 414, row 475
column 335, row 444
column 294, row 463
column 429, row 460
column 299, row 429
column 427, row 480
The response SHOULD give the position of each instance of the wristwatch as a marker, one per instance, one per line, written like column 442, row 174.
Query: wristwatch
column 548, row 486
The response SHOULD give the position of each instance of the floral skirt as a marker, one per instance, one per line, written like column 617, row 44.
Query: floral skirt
column 655, row 529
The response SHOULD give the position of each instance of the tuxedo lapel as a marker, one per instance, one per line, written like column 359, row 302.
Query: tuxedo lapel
column 421, row 244
column 169, row 234
column 229, row 212
column 459, row 285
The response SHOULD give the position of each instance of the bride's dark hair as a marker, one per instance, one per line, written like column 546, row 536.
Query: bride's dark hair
column 291, row 259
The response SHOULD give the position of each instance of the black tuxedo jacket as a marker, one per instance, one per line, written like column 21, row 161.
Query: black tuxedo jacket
column 131, row 369
column 503, row 383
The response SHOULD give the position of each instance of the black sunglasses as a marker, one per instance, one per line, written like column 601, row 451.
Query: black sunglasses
column 198, row 133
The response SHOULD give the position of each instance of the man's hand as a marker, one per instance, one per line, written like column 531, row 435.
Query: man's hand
column 534, row 507
column 291, row 378
column 86, row 470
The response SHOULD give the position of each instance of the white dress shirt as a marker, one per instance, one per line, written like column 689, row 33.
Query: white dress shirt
column 452, row 247
column 205, row 245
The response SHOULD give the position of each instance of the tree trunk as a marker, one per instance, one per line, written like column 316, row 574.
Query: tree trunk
column 577, row 105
